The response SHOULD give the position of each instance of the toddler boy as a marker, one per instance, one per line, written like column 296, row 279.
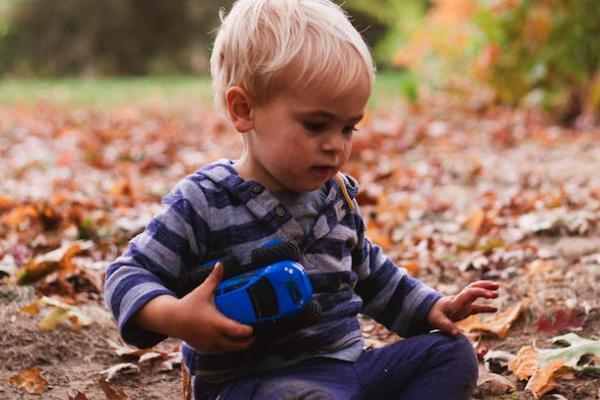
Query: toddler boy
column 293, row 77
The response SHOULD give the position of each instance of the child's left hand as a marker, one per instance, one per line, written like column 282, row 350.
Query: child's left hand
column 450, row 309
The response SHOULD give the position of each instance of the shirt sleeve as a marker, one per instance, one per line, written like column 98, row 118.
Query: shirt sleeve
column 155, row 260
column 390, row 296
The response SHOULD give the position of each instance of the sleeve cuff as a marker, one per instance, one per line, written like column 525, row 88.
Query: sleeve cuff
column 139, row 337
column 419, row 323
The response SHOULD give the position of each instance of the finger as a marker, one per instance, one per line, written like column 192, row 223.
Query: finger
column 482, row 308
column 233, row 329
column 470, row 294
column 485, row 285
column 213, row 279
column 231, row 344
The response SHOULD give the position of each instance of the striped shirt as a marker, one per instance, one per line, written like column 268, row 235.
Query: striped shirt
column 214, row 212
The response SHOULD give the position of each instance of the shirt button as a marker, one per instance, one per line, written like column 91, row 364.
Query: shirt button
column 279, row 211
column 257, row 189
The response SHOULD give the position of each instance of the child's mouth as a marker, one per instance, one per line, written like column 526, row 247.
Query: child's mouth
column 322, row 171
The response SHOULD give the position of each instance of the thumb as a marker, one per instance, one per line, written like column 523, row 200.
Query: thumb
column 212, row 281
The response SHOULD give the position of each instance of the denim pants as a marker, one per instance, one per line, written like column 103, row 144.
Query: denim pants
column 431, row 366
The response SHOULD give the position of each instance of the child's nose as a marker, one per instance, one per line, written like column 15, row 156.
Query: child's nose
column 333, row 143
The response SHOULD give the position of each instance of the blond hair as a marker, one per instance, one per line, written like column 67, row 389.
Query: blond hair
column 267, row 45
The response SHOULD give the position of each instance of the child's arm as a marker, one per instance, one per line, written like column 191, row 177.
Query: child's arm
column 195, row 319
column 451, row 309
column 142, row 286
column 389, row 294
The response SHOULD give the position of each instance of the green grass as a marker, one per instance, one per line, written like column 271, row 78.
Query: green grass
column 108, row 92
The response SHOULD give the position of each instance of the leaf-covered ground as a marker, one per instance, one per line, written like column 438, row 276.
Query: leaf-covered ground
column 453, row 191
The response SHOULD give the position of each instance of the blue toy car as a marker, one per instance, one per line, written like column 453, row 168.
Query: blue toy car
column 278, row 290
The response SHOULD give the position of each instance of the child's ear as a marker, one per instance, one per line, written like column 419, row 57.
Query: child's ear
column 239, row 108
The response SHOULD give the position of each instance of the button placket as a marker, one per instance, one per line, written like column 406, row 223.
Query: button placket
column 279, row 211
column 257, row 189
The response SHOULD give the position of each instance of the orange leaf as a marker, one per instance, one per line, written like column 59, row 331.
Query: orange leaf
column 475, row 221
column 526, row 364
column 20, row 214
column 58, row 259
column 31, row 380
column 31, row 308
column 497, row 324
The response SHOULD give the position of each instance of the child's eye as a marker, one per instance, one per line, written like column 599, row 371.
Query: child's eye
column 315, row 127
column 349, row 130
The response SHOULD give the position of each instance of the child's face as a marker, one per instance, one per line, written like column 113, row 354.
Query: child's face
column 301, row 139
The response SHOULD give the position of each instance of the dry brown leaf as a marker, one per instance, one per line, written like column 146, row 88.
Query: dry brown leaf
column 526, row 366
column 121, row 367
column 56, row 260
column 121, row 349
column 31, row 380
column 78, row 396
column 112, row 392
column 497, row 324
column 474, row 221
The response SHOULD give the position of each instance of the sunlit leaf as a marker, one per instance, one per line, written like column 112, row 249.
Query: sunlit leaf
column 56, row 260
column 497, row 324
column 60, row 312
column 541, row 366
column 31, row 380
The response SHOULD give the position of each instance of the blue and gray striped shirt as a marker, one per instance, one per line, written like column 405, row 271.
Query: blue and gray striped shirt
column 214, row 212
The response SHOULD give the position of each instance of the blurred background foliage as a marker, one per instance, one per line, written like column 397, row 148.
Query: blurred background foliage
column 542, row 53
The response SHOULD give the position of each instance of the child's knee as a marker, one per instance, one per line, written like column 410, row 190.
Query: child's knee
column 291, row 389
column 461, row 354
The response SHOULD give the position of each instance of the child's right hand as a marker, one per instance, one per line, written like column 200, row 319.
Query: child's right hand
column 203, row 327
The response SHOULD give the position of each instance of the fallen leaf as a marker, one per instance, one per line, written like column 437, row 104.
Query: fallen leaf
column 31, row 380
column 162, row 361
column 124, row 350
column 497, row 324
column 491, row 384
column 57, row 260
column 526, row 365
column 112, row 392
column 561, row 320
column 61, row 312
column 78, row 396
column 121, row 367
column 475, row 221
column 543, row 366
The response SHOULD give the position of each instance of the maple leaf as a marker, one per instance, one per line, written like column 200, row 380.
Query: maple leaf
column 543, row 366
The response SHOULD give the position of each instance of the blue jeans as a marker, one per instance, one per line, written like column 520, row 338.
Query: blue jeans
column 431, row 366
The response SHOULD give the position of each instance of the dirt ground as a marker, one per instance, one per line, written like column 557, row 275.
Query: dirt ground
column 424, row 180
